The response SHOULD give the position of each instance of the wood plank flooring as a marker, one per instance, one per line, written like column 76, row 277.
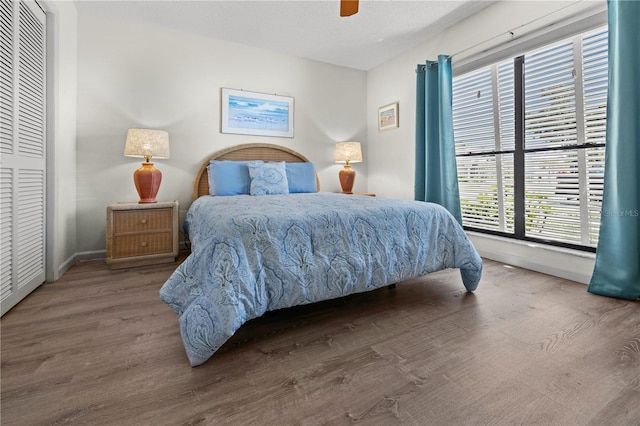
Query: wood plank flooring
column 98, row 347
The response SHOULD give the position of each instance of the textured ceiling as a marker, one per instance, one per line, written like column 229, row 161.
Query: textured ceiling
column 306, row 28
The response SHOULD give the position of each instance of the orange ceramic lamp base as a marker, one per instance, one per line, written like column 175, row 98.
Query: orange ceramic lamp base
column 347, row 177
column 147, row 179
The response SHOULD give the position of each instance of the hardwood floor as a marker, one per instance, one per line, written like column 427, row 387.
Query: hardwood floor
column 99, row 347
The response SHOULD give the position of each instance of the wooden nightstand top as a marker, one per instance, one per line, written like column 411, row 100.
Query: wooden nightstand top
column 134, row 205
column 368, row 194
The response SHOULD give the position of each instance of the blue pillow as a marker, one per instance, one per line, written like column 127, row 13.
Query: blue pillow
column 229, row 178
column 268, row 178
column 301, row 177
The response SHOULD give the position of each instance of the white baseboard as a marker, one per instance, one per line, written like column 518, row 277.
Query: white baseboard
column 72, row 260
column 91, row 255
column 66, row 265
column 574, row 265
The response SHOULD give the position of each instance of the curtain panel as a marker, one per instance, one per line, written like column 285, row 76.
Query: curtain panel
column 617, row 268
column 436, row 174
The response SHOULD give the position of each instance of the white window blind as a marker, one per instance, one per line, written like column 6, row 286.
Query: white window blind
column 552, row 203
column 477, row 175
column 485, row 181
column 595, row 77
column 560, row 138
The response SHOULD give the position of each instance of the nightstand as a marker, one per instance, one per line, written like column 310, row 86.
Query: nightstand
column 142, row 234
column 368, row 194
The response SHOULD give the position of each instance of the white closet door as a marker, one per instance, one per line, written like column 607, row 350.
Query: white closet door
column 22, row 150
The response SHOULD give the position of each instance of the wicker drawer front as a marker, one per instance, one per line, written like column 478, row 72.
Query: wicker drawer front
column 142, row 234
column 142, row 244
column 126, row 221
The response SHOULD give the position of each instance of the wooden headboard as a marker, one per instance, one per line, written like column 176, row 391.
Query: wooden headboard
column 245, row 152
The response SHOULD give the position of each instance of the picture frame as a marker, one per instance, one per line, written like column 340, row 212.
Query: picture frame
column 255, row 113
column 388, row 117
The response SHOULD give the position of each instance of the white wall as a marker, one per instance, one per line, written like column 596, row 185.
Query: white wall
column 134, row 75
column 391, row 153
column 61, row 136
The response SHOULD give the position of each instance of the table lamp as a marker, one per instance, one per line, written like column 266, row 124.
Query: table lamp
column 147, row 144
column 348, row 152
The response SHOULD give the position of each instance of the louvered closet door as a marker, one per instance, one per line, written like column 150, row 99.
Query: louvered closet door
column 22, row 150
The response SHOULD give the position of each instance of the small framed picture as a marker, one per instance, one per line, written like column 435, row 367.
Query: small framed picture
column 253, row 113
column 388, row 117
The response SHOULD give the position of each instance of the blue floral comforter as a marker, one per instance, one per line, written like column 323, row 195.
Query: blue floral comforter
column 255, row 254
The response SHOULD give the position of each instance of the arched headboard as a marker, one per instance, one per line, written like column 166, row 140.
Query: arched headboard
column 246, row 152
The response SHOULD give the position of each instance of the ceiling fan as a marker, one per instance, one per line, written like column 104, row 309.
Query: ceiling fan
column 348, row 7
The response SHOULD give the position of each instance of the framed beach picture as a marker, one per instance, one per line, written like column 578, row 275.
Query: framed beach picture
column 388, row 117
column 253, row 113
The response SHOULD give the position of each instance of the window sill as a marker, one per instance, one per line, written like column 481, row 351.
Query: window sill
column 561, row 262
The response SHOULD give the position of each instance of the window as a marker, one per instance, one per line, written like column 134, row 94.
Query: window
column 530, row 135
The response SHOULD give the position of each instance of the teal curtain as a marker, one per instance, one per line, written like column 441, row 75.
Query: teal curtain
column 617, row 268
column 436, row 174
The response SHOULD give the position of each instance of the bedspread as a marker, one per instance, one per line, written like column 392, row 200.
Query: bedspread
column 254, row 254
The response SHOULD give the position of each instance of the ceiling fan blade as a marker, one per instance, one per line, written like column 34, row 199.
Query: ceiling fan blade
column 348, row 7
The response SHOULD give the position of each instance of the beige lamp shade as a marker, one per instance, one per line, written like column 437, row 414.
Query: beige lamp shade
column 147, row 144
column 348, row 152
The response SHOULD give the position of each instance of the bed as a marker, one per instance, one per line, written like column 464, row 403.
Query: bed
column 252, row 254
